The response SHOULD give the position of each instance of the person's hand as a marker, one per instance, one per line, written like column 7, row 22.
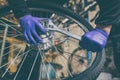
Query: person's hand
column 94, row 40
column 30, row 25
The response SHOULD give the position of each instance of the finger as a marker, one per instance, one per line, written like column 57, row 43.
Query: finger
column 22, row 26
column 32, row 40
column 40, row 27
column 37, row 37
column 25, row 34
column 26, row 37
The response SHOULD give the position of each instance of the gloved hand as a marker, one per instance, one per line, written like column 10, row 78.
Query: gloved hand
column 94, row 40
column 30, row 25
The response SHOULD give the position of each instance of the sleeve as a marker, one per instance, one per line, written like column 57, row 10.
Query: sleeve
column 19, row 7
column 109, row 12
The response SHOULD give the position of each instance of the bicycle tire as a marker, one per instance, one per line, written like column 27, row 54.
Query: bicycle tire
column 100, row 59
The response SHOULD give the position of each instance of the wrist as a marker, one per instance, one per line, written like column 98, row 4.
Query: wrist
column 101, row 31
column 106, row 28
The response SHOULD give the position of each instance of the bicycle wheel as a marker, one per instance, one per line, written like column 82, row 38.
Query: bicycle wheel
column 51, row 60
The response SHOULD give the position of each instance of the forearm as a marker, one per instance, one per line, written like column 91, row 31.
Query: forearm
column 19, row 7
column 109, row 14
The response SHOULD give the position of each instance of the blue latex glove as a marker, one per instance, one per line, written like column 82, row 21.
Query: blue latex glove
column 30, row 25
column 94, row 40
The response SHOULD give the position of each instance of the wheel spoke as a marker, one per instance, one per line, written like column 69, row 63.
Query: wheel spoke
column 21, row 64
column 40, row 46
column 11, row 63
column 5, row 24
column 18, row 56
column 8, row 52
column 49, row 65
column 33, row 66
column 61, row 59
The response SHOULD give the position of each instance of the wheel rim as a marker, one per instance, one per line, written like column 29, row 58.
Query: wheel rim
column 55, row 62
